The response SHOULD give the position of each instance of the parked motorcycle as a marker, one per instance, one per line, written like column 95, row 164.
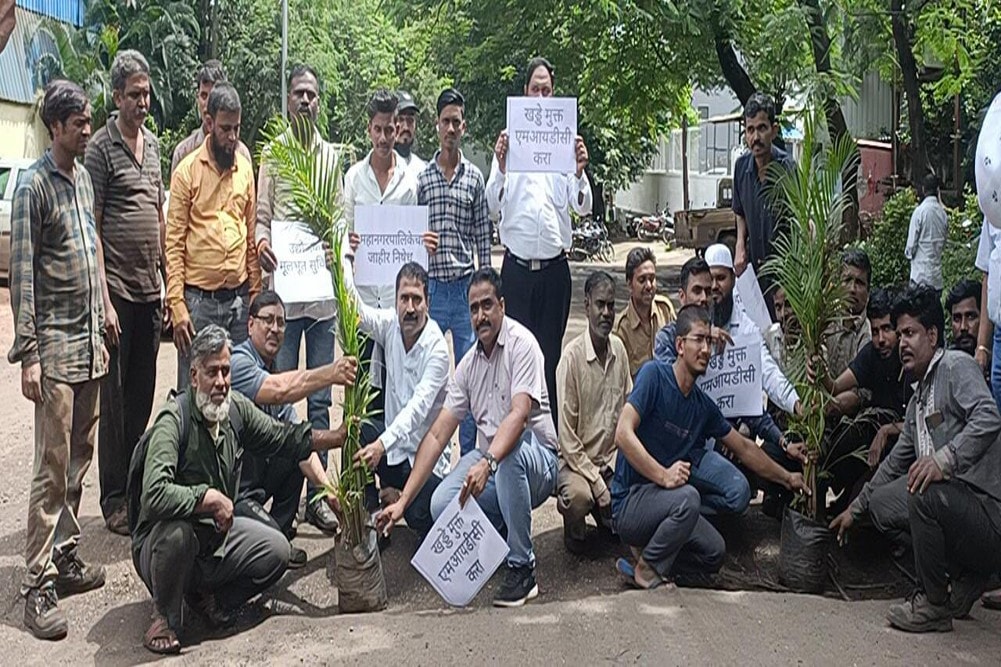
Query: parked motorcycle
column 590, row 242
column 658, row 227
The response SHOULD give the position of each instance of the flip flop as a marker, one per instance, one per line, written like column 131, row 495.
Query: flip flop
column 628, row 572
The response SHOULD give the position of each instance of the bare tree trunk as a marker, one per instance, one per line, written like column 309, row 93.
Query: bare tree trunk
column 903, row 37
column 820, row 44
column 734, row 73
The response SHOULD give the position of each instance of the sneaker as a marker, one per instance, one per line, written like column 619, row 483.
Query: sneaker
column 322, row 517
column 118, row 522
column 42, row 615
column 966, row 590
column 917, row 614
column 518, row 588
column 75, row 576
column 297, row 557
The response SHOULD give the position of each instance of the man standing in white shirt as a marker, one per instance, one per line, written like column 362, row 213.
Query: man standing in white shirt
column 417, row 364
column 926, row 236
column 313, row 323
column 536, row 233
column 381, row 178
column 988, row 353
column 406, row 132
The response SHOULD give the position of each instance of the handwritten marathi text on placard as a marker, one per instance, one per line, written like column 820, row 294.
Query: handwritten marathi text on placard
column 302, row 275
column 733, row 378
column 461, row 552
column 542, row 133
column 390, row 236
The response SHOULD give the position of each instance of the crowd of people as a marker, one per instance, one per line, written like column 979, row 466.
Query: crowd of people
column 614, row 424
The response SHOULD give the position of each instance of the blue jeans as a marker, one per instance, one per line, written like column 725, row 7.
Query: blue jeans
column 523, row 481
column 996, row 367
column 205, row 308
column 449, row 308
column 722, row 486
column 319, row 337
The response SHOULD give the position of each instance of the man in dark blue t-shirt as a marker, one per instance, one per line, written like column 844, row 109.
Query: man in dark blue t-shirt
column 661, row 433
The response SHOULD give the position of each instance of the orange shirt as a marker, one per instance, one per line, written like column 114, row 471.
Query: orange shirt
column 210, row 219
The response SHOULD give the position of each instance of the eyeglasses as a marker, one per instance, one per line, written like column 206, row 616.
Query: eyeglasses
column 700, row 340
column 272, row 320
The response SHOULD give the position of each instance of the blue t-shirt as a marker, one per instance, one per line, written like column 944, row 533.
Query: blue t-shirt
column 247, row 374
column 673, row 427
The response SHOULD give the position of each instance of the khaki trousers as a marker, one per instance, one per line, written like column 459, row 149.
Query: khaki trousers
column 65, row 434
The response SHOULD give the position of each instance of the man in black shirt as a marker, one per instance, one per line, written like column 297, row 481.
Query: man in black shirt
column 963, row 308
column 875, row 374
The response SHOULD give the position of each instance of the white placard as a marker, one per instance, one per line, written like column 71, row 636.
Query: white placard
column 391, row 236
column 733, row 379
column 748, row 296
column 461, row 552
column 542, row 134
column 302, row 275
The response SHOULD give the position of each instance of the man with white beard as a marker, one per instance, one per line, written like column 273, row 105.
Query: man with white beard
column 187, row 545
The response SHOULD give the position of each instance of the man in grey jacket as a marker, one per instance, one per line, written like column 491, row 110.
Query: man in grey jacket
column 942, row 481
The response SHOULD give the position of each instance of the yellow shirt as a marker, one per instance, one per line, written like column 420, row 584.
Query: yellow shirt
column 591, row 396
column 211, row 217
column 639, row 341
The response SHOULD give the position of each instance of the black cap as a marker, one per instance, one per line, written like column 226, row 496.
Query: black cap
column 405, row 102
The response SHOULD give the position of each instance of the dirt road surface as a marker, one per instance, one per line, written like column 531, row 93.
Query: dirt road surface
column 583, row 616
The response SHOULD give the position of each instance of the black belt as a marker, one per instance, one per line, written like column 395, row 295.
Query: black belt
column 220, row 294
column 535, row 264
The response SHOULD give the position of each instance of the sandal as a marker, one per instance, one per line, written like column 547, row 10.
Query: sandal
column 160, row 639
column 628, row 572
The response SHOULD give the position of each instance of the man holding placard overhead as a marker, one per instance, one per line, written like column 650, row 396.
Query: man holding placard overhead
column 536, row 233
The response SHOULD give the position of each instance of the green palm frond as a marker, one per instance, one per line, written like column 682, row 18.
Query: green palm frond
column 812, row 199
column 312, row 181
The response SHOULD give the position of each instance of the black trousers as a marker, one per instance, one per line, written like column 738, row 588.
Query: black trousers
column 418, row 514
column 278, row 479
column 540, row 300
column 127, row 396
column 955, row 532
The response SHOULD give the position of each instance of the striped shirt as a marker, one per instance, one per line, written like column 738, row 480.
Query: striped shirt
column 55, row 289
column 128, row 201
column 457, row 211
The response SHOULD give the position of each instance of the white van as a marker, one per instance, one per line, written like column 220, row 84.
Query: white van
column 12, row 171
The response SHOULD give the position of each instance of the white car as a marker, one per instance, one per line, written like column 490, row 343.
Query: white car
column 12, row 171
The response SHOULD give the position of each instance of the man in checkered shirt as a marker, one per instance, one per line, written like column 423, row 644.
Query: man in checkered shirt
column 453, row 190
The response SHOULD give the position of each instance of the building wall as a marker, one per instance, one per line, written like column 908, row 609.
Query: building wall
column 22, row 134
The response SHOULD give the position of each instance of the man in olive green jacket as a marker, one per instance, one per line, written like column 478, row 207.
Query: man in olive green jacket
column 187, row 544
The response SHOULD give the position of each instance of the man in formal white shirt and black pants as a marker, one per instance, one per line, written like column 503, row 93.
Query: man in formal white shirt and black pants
column 536, row 233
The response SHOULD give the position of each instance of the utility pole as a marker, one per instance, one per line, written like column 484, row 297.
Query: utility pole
column 281, row 102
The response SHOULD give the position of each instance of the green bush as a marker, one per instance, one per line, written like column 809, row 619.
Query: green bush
column 885, row 246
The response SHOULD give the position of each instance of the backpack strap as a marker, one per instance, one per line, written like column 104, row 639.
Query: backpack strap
column 181, row 400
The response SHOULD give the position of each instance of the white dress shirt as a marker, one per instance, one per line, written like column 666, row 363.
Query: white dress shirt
column 989, row 261
column 416, row 382
column 414, row 164
column 361, row 188
column 926, row 236
column 534, row 210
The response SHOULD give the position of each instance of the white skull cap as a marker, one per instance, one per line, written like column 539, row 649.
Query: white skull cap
column 719, row 255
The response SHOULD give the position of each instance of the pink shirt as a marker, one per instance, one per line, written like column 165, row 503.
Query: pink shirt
column 484, row 386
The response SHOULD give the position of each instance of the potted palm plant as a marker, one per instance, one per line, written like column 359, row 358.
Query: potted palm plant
column 812, row 199
column 312, row 181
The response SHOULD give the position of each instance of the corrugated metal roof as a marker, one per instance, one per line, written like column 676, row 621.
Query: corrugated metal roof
column 17, row 60
column 66, row 11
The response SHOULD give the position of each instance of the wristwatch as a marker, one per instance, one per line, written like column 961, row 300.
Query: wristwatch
column 491, row 461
